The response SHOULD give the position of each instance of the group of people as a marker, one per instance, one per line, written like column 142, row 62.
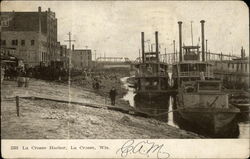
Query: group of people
column 12, row 73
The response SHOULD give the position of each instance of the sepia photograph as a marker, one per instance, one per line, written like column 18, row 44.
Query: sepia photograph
column 131, row 73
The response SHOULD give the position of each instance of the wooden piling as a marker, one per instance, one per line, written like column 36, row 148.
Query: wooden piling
column 17, row 105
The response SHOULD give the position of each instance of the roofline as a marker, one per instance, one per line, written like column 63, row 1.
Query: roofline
column 194, row 62
column 81, row 49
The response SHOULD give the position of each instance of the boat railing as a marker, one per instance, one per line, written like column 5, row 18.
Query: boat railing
column 195, row 74
column 147, row 74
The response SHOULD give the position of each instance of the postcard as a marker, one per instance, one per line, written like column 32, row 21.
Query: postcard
column 125, row 79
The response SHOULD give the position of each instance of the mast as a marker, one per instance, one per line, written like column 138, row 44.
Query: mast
column 192, row 33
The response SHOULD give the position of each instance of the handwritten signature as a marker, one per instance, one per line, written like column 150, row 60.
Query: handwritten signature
column 144, row 148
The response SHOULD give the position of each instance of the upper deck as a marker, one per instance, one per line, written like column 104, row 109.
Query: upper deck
column 151, row 67
column 192, row 66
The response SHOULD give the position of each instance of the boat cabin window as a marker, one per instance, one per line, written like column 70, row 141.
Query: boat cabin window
column 191, row 52
column 209, row 86
column 150, row 84
column 184, row 68
column 202, row 68
column 193, row 67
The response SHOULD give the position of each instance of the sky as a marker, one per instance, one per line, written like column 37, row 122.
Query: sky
column 114, row 28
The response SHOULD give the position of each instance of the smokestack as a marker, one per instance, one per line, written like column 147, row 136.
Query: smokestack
column 48, row 9
column 156, row 46
column 39, row 19
column 202, row 40
column 180, row 41
column 142, row 46
column 39, row 9
column 73, row 47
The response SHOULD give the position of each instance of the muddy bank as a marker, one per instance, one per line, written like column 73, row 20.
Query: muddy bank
column 42, row 119
column 52, row 120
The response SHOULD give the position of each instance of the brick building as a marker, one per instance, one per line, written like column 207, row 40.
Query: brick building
column 64, row 55
column 81, row 58
column 32, row 34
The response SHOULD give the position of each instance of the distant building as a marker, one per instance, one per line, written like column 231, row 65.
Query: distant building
column 234, row 71
column 64, row 55
column 32, row 34
column 113, row 62
column 81, row 58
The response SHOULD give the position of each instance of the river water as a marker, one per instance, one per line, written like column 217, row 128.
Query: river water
column 241, row 128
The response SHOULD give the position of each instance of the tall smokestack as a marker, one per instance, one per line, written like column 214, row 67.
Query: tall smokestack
column 142, row 46
column 156, row 46
column 39, row 19
column 180, row 41
column 73, row 47
column 202, row 40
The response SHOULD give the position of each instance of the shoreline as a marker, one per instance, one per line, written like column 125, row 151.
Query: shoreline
column 41, row 119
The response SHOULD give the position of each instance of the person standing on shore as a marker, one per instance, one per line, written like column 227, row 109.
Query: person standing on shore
column 112, row 95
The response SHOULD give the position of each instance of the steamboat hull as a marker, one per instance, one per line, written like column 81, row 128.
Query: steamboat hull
column 244, row 111
column 213, row 121
column 152, row 97
column 155, row 105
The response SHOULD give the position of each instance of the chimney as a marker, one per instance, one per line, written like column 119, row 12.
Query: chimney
column 48, row 9
column 202, row 40
column 73, row 47
column 39, row 19
column 142, row 46
column 39, row 9
column 180, row 41
column 156, row 46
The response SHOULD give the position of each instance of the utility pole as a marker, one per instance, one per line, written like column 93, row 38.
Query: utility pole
column 174, row 48
column 69, row 71
column 139, row 55
column 70, row 40
column 95, row 57
column 148, row 41
column 165, row 55
column 206, row 49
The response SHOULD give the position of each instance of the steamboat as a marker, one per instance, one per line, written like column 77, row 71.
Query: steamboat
column 151, row 80
column 201, row 99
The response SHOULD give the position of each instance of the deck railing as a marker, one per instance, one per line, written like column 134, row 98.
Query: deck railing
column 195, row 74
column 147, row 74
